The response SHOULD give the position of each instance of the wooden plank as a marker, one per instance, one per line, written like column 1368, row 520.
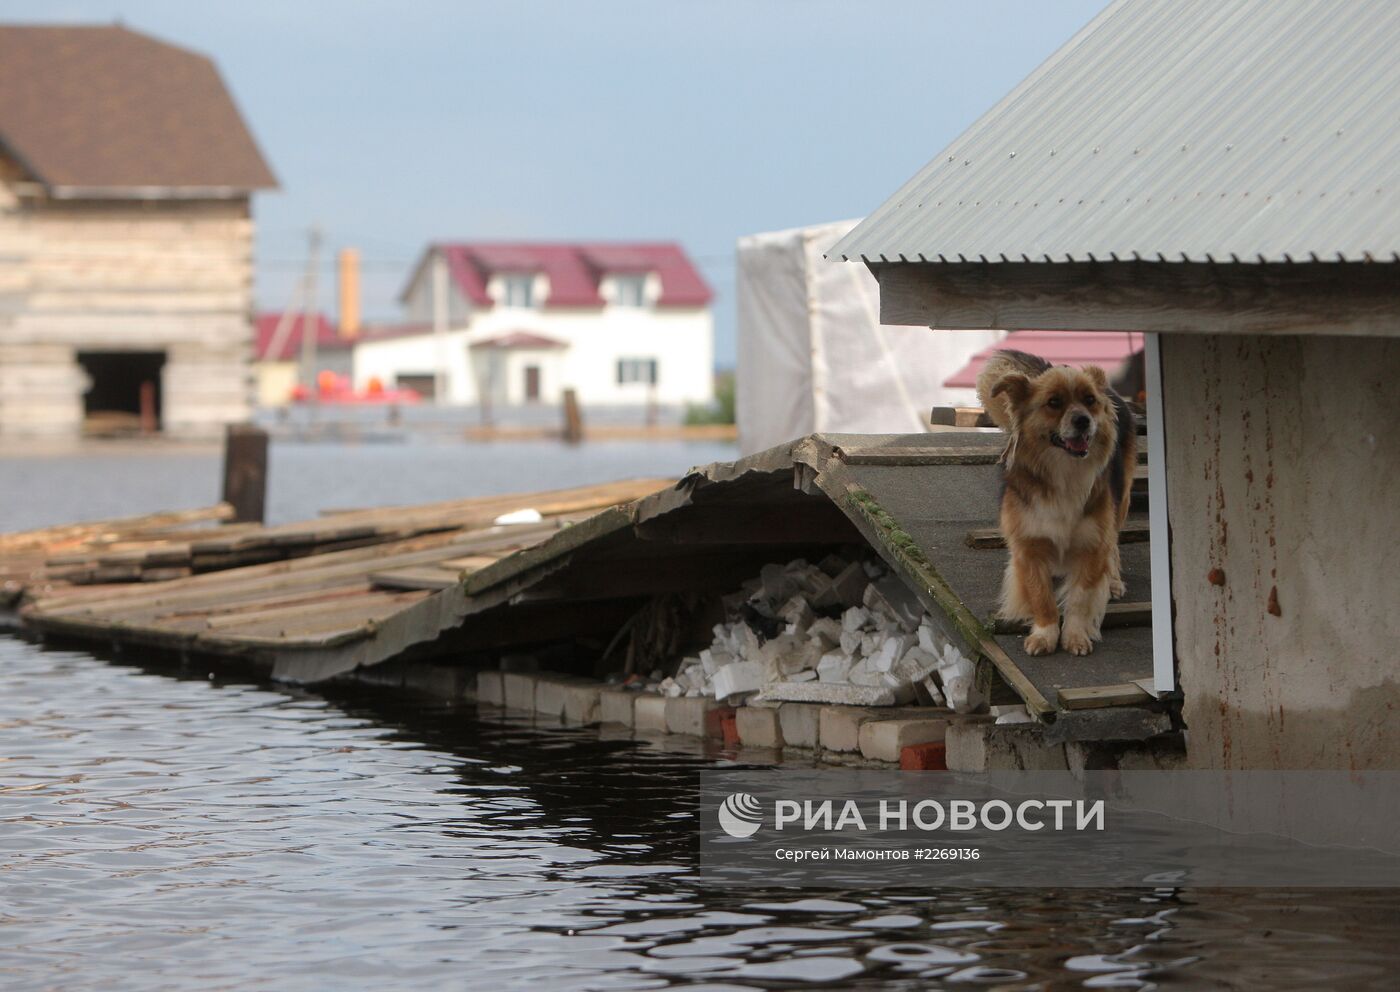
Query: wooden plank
column 318, row 627
column 423, row 577
column 986, row 538
column 1098, row 696
column 323, row 602
column 473, row 563
column 959, row 416
column 1117, row 615
column 971, row 455
column 1167, row 297
column 114, row 525
column 446, row 543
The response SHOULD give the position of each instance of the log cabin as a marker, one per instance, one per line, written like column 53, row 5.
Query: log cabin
column 126, row 234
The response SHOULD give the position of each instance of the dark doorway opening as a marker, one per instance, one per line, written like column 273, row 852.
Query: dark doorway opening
column 532, row 383
column 125, row 391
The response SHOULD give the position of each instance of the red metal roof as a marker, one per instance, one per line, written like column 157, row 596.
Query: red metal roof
column 327, row 337
column 575, row 270
column 520, row 339
column 1106, row 349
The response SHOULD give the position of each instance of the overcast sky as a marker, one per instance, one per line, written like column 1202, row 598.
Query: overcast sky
column 395, row 124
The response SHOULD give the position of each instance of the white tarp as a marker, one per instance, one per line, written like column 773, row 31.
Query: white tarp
column 813, row 355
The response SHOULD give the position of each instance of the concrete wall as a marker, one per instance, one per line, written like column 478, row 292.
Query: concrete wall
column 165, row 276
column 1283, row 460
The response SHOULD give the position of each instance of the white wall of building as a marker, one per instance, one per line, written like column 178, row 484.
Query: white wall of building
column 680, row 340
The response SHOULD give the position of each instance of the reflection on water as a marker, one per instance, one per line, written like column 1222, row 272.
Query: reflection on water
column 162, row 833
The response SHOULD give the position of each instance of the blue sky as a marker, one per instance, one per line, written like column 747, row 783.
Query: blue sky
column 395, row 124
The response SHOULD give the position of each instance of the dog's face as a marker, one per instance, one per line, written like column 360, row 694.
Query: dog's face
column 1064, row 408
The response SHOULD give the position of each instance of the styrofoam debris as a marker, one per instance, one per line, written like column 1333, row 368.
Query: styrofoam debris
column 518, row 517
column 737, row 678
column 835, row 631
column 1012, row 714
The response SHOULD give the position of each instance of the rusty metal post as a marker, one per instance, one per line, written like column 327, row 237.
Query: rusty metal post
column 245, row 472
column 573, row 419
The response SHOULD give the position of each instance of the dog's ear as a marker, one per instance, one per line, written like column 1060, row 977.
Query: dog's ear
column 1097, row 376
column 1016, row 387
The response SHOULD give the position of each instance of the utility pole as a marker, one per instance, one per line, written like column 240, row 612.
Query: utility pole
column 439, row 327
column 308, row 313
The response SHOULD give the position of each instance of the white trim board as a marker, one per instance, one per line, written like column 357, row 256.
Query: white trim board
column 1163, row 648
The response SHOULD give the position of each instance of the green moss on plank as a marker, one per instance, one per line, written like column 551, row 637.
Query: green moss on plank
column 907, row 550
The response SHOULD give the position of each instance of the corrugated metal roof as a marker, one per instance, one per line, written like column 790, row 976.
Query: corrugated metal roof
column 1175, row 130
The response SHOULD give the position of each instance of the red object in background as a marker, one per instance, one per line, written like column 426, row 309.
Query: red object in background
column 1106, row 349
column 332, row 388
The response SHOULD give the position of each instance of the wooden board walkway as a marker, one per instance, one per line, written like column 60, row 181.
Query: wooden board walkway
column 356, row 588
column 359, row 604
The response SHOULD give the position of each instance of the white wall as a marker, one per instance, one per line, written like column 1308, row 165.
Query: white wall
column 681, row 341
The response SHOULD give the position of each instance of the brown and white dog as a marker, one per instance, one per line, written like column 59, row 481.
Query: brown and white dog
column 1067, row 472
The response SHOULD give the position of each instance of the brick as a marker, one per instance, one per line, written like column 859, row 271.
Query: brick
column 758, row 726
column 520, row 690
column 649, row 712
column 839, row 727
column 883, row 740
column 729, row 729
column 440, row 681
column 800, row 724
column 715, row 718
column 572, row 699
column 615, row 706
column 582, row 703
column 490, row 688
column 986, row 747
column 932, row 756
column 689, row 715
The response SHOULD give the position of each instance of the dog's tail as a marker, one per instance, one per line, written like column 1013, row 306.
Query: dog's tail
column 997, row 366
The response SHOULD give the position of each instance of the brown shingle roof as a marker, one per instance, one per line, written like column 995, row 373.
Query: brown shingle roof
column 106, row 111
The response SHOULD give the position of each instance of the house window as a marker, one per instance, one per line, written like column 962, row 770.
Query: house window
column 518, row 290
column 630, row 291
column 636, row 370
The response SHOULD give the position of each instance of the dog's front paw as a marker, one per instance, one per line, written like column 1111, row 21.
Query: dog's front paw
column 1042, row 640
column 1076, row 640
column 1116, row 588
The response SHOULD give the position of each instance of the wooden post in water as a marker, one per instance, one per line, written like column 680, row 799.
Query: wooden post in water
column 150, row 423
column 245, row 472
column 573, row 419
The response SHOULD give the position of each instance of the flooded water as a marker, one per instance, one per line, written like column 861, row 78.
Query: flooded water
column 304, row 478
column 165, row 828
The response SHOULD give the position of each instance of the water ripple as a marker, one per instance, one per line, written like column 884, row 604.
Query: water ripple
column 161, row 832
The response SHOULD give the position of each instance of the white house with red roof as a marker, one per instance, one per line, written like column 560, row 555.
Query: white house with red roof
column 513, row 324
